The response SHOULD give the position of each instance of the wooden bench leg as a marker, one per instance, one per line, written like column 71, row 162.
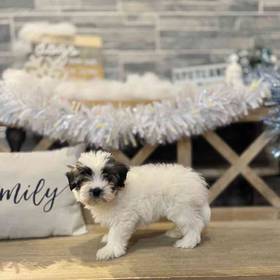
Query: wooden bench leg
column 184, row 151
column 240, row 165
column 44, row 144
column 4, row 148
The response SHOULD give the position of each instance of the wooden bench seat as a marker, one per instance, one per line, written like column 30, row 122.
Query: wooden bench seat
column 230, row 250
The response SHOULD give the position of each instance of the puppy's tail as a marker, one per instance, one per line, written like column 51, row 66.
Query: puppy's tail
column 206, row 214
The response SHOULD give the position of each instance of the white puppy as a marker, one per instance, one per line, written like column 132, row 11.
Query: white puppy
column 122, row 198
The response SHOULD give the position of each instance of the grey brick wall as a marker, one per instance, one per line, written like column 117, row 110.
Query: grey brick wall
column 153, row 35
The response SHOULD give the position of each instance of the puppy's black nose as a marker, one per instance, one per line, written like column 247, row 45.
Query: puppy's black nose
column 96, row 192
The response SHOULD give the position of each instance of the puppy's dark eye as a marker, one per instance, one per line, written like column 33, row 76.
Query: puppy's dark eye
column 85, row 171
column 109, row 177
column 80, row 182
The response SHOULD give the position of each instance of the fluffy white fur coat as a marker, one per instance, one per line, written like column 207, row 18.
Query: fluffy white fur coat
column 150, row 192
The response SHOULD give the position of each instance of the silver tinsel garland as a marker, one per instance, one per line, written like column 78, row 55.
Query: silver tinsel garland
column 107, row 126
column 272, row 121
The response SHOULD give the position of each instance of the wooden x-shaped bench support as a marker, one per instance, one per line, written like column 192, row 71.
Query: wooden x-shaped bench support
column 240, row 166
column 184, row 155
column 138, row 159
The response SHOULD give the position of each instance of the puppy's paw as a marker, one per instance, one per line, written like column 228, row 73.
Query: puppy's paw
column 108, row 252
column 174, row 233
column 104, row 238
column 188, row 242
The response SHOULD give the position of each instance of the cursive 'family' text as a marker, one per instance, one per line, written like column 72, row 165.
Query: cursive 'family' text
column 40, row 195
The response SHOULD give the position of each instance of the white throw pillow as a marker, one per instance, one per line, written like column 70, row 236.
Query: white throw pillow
column 35, row 200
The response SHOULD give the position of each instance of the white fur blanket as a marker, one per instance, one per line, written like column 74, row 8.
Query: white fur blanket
column 146, row 87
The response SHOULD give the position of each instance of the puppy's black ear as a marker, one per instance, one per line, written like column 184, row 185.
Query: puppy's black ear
column 121, row 170
column 71, row 179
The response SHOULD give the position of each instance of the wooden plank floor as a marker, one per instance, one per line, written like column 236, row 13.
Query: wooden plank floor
column 230, row 250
